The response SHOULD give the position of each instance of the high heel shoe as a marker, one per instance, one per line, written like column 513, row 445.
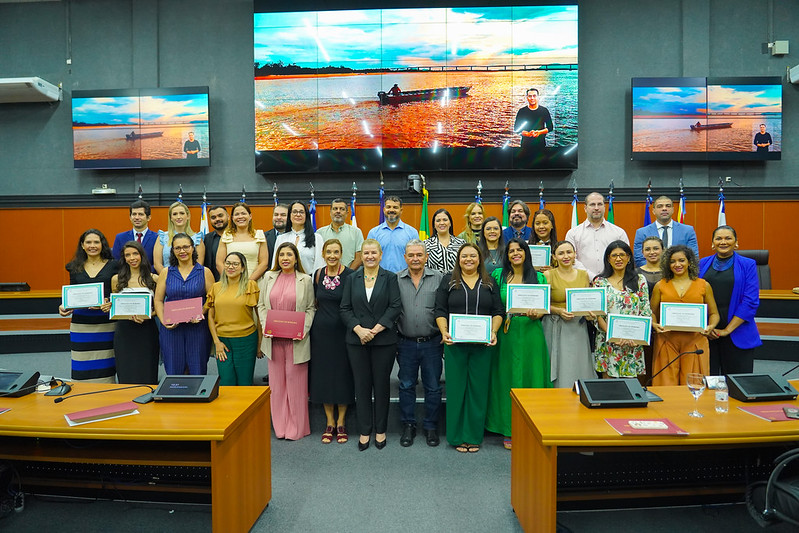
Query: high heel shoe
column 364, row 445
column 380, row 444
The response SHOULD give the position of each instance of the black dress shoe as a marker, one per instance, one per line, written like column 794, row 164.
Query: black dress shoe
column 432, row 437
column 408, row 434
column 380, row 444
column 364, row 445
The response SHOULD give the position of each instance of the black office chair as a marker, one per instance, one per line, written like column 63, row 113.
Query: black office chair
column 763, row 270
column 778, row 499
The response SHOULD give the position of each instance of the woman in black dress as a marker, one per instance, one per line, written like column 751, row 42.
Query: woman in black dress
column 91, row 333
column 135, row 340
column 331, row 375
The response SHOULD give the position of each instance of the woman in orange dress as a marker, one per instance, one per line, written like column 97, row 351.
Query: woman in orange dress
column 681, row 284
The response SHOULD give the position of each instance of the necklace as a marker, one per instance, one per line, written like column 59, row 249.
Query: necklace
column 331, row 283
column 493, row 256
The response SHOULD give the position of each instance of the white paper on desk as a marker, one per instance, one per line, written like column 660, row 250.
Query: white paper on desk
column 71, row 423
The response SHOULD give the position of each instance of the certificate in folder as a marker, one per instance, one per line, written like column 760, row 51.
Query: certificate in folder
column 285, row 324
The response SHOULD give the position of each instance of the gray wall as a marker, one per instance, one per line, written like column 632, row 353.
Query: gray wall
column 150, row 43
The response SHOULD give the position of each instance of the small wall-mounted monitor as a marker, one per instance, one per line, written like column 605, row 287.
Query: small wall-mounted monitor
column 707, row 119
column 141, row 128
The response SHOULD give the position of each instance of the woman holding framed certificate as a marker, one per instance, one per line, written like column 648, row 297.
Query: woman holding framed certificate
column 627, row 294
column 491, row 244
column 370, row 307
column 241, row 237
column 521, row 359
column 136, row 338
column 179, row 221
column 681, row 284
column 91, row 333
column 288, row 288
column 566, row 333
column 474, row 223
column 179, row 295
column 468, row 298
column 737, row 292
column 233, row 321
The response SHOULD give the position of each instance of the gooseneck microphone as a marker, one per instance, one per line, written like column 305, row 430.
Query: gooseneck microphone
column 649, row 381
column 62, row 398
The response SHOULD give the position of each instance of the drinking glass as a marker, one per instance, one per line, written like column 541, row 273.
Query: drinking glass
column 696, row 384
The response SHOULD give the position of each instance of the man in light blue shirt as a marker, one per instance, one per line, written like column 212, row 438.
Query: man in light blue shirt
column 393, row 235
column 670, row 231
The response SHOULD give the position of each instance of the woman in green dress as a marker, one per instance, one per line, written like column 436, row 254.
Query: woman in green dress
column 522, row 358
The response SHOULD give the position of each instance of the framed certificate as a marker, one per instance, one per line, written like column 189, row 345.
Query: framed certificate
column 683, row 317
column 470, row 328
column 522, row 297
column 629, row 327
column 540, row 253
column 82, row 296
column 589, row 300
column 127, row 304
column 285, row 324
column 181, row 311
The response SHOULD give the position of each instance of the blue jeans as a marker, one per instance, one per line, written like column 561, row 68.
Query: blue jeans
column 411, row 356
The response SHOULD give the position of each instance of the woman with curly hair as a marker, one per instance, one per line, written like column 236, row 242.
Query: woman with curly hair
column 681, row 283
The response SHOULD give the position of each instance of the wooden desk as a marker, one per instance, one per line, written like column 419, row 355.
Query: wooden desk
column 548, row 421
column 230, row 435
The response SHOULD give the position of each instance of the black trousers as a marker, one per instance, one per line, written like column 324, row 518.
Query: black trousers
column 371, row 370
column 726, row 358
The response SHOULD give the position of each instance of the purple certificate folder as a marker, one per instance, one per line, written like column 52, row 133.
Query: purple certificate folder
column 285, row 324
column 180, row 311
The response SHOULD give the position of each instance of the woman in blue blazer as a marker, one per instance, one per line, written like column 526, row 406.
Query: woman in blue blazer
column 737, row 292
column 370, row 307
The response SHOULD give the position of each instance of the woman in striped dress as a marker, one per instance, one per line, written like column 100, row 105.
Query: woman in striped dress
column 91, row 333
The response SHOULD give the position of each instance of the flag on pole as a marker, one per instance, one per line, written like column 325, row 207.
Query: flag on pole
column 353, row 220
column 722, row 211
column 424, row 221
column 204, row 218
column 505, row 206
column 274, row 193
column 647, row 208
column 575, row 221
column 611, row 215
column 681, row 210
column 312, row 208
column 479, row 196
column 382, row 195
column 541, row 202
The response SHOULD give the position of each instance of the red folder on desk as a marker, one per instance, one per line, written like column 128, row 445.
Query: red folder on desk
column 102, row 413
column 285, row 324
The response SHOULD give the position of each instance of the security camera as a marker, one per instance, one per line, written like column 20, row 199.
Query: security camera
column 415, row 183
column 793, row 74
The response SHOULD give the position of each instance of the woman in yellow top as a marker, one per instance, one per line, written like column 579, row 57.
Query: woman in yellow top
column 233, row 321
column 241, row 237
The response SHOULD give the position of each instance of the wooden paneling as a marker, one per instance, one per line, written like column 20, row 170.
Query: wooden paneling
column 55, row 231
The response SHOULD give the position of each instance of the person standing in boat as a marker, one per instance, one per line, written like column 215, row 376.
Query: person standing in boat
column 762, row 139
column 191, row 147
column 533, row 122
column 394, row 91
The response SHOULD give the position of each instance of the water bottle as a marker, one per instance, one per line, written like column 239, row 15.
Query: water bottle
column 722, row 396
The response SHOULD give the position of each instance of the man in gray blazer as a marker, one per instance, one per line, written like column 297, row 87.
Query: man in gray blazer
column 670, row 231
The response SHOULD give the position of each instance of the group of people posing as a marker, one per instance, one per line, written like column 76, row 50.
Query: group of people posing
column 369, row 302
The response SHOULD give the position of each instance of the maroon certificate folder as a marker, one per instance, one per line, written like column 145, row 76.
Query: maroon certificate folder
column 180, row 311
column 285, row 324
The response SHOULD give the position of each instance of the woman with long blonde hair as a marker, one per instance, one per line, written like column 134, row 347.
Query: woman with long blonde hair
column 178, row 221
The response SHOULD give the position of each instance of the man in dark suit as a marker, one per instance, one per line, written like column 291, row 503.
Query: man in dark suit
column 139, row 216
column 670, row 231
column 218, row 218
column 279, row 220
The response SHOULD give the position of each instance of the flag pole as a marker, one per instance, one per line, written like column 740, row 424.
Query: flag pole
column 541, row 203
column 647, row 208
column 312, row 207
column 479, row 196
column 140, row 191
column 611, row 215
column 506, row 204
column 353, row 220
column 274, row 192
column 243, row 195
column 722, row 221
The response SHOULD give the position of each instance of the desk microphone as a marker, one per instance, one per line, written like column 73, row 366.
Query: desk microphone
column 651, row 396
column 62, row 398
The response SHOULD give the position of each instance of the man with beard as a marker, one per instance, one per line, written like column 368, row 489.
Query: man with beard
column 350, row 237
column 393, row 235
column 218, row 217
column 669, row 231
column 518, row 213
column 591, row 238
column 280, row 217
